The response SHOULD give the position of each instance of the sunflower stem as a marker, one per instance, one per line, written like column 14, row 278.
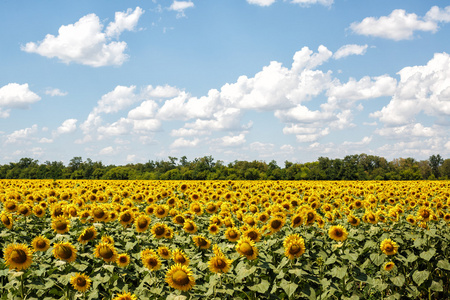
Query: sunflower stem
column 22, row 292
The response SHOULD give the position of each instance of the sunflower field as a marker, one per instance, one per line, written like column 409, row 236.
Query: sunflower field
column 124, row 240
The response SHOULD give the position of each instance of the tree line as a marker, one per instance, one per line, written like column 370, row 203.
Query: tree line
column 351, row 167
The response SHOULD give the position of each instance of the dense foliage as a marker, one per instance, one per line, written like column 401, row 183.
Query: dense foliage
column 94, row 239
column 351, row 167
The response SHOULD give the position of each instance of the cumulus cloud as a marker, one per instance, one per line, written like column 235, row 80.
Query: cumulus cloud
column 116, row 100
column 421, row 89
column 365, row 141
column 86, row 43
column 261, row 2
column 352, row 49
column 16, row 96
column 180, row 7
column 310, row 2
column 68, row 126
column 25, row 135
column 400, row 25
column 55, row 92
column 184, row 143
column 107, row 151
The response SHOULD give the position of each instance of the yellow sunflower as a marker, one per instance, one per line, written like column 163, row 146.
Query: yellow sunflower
column 213, row 229
column 389, row 266
column 190, row 226
column 178, row 219
column 164, row 252
column 338, row 233
column 310, row 216
column 24, row 209
column 80, row 282
column 151, row 261
column 39, row 211
column 180, row 277
column 60, row 225
column 294, row 246
column 107, row 239
column 159, row 230
column 161, row 211
column 7, row 219
column 65, row 251
column 246, row 247
column 179, row 257
column 142, row 223
column 126, row 218
column 125, row 296
column 275, row 224
column 87, row 235
column 201, row 242
column 123, row 260
column 232, row 234
column 353, row 220
column 219, row 264
column 18, row 256
column 389, row 247
column 105, row 251
column 40, row 243
column 253, row 233
column 10, row 205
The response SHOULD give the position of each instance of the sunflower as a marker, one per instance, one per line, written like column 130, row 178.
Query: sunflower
column 107, row 239
column 123, row 260
column 161, row 211
column 179, row 257
column 338, row 233
column 85, row 216
column 40, row 243
column 169, row 233
column 80, row 282
column 411, row 219
column 201, row 242
column 297, row 220
column 10, row 205
column 39, row 211
column 18, row 256
column 310, row 216
column 125, row 296
column 425, row 213
column 178, row 219
column 232, row 234
column 60, row 224
column 99, row 213
column 354, row 221
column 180, row 277
column 294, row 246
column 87, row 235
column 389, row 266
column 253, row 233
column 24, row 209
column 126, row 218
column 219, row 264
column 65, row 251
column 190, row 226
column 211, row 207
column 151, row 261
column 164, row 252
column 246, row 247
column 105, row 251
column 389, row 247
column 142, row 223
column 159, row 230
column 275, row 224
column 196, row 208
column 7, row 219
column 213, row 229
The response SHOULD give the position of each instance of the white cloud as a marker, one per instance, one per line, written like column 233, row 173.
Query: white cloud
column 411, row 130
column 439, row 15
column 85, row 43
column 183, row 143
column 261, row 2
column 365, row 141
column 189, row 132
column 55, row 92
column 45, row 141
column 14, row 95
column 68, row 126
column 107, row 151
column 22, row 135
column 121, row 127
column 124, row 21
column 180, row 7
column 116, row 100
column 351, row 49
column 421, row 89
column 159, row 91
column 146, row 125
column 399, row 25
column 310, row 2
column 145, row 110
column 264, row 148
column 233, row 140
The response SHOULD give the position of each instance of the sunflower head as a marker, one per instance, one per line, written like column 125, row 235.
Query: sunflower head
column 123, row 260
column 297, row 220
column 246, row 247
column 18, row 256
column 179, row 257
column 389, row 247
column 190, row 226
column 151, row 261
column 65, row 251
column 80, row 282
column 125, row 296
column 87, row 235
column 40, row 243
column 105, row 251
column 142, row 223
column 164, row 252
column 276, row 224
column 201, row 242
column 338, row 233
column 389, row 266
column 159, row 230
column 294, row 246
column 180, row 277
column 253, row 233
column 232, row 234
column 219, row 264
column 6, row 219
column 60, row 225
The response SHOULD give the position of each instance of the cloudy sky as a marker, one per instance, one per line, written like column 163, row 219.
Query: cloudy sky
column 131, row 81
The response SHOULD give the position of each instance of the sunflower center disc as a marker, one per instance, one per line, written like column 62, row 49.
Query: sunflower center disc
column 180, row 277
column 65, row 252
column 247, row 249
column 18, row 256
column 106, row 252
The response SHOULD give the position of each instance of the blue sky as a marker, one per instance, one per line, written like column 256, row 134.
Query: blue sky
column 131, row 81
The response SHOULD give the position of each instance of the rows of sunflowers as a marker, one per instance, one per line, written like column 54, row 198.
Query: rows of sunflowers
column 126, row 240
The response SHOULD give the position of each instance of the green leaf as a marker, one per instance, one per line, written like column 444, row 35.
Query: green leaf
column 339, row 272
column 420, row 276
column 443, row 264
column 419, row 242
column 377, row 259
column 427, row 255
column 130, row 245
column 330, row 260
column 244, row 272
column 298, row 272
column 398, row 280
column 353, row 297
column 379, row 285
column 288, row 287
column 261, row 287
column 437, row 286
column 411, row 258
